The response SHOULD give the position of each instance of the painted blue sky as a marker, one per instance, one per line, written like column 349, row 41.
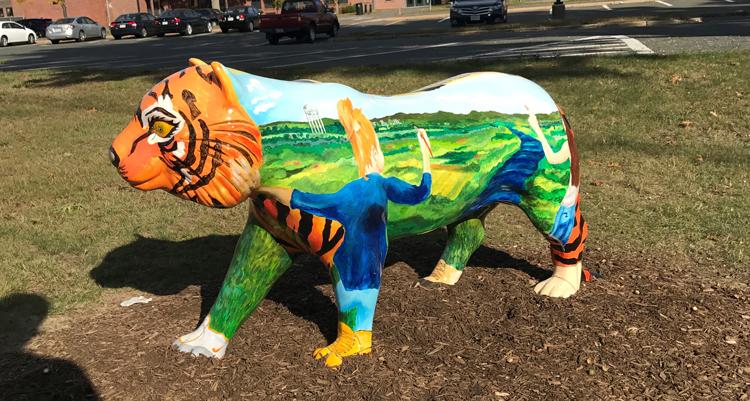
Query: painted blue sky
column 269, row 100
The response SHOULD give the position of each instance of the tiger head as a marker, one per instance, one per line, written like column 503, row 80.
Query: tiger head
column 191, row 137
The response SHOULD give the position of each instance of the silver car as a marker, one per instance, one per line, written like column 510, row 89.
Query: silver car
column 78, row 28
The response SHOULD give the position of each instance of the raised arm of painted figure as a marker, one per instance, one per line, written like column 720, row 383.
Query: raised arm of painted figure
column 552, row 157
column 399, row 191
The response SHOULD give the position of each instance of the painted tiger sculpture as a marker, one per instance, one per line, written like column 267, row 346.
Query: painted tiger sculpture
column 218, row 136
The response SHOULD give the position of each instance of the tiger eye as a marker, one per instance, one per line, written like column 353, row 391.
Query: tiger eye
column 161, row 128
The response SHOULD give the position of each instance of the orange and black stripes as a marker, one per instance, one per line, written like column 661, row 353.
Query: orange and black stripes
column 571, row 252
column 299, row 231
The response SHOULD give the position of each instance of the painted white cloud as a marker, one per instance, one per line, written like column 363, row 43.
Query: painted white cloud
column 263, row 107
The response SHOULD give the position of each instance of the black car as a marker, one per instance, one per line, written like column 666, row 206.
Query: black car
column 211, row 13
column 38, row 25
column 466, row 11
column 139, row 25
column 183, row 21
column 243, row 18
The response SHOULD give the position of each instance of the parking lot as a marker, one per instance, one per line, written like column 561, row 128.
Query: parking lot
column 383, row 39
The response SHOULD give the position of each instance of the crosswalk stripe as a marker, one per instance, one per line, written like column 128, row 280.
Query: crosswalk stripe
column 589, row 46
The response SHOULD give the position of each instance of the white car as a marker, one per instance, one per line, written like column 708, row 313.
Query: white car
column 11, row 32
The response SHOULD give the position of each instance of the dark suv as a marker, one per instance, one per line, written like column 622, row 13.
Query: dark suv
column 38, row 25
column 465, row 11
column 183, row 21
column 243, row 18
column 139, row 25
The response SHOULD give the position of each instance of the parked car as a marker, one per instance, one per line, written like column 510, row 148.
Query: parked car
column 242, row 18
column 38, row 25
column 212, row 14
column 78, row 28
column 139, row 25
column 464, row 11
column 11, row 32
column 183, row 21
column 301, row 19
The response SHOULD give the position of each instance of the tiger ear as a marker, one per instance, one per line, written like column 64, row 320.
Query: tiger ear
column 195, row 62
column 226, row 83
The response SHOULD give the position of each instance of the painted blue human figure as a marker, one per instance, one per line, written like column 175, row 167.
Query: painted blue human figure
column 361, row 207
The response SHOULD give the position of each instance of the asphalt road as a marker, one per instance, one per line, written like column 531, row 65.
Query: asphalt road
column 373, row 40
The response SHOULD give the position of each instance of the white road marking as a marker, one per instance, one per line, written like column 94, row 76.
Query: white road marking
column 606, row 7
column 444, row 19
column 635, row 45
column 589, row 46
column 729, row 1
column 398, row 21
column 330, row 60
column 664, row 3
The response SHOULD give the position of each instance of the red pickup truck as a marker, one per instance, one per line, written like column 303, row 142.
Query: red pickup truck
column 300, row 19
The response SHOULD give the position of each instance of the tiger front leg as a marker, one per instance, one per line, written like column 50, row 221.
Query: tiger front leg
column 356, row 310
column 257, row 262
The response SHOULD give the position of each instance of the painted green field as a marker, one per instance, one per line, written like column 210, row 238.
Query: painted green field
column 468, row 150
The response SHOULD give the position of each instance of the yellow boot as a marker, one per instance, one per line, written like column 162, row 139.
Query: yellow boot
column 347, row 343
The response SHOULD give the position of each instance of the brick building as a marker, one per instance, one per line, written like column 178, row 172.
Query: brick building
column 6, row 9
column 105, row 11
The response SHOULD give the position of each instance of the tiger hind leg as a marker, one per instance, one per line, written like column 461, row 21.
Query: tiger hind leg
column 464, row 239
column 567, row 253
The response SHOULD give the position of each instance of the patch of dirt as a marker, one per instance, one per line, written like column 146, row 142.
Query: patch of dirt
column 649, row 329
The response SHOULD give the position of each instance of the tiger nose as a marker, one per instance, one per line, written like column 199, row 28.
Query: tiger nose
column 113, row 158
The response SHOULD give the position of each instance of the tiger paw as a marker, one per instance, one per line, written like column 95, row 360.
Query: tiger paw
column 347, row 343
column 203, row 341
column 565, row 281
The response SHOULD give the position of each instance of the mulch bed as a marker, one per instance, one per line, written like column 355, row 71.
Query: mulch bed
column 648, row 330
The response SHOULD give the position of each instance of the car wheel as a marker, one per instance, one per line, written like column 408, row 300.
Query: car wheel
column 103, row 34
column 81, row 37
column 505, row 17
column 117, row 37
column 161, row 35
column 310, row 35
column 3, row 41
column 250, row 26
column 209, row 27
column 334, row 30
column 188, row 30
column 143, row 33
column 272, row 39
column 31, row 39
column 55, row 41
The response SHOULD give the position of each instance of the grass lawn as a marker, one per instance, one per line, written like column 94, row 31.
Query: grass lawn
column 664, row 142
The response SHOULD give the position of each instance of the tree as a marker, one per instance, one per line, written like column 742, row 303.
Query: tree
column 63, row 6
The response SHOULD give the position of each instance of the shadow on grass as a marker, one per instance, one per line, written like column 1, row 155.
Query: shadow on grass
column 25, row 376
column 554, row 69
column 163, row 267
column 63, row 78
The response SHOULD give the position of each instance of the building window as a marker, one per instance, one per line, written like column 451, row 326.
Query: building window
column 9, row 11
column 268, row 4
column 1, row 12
